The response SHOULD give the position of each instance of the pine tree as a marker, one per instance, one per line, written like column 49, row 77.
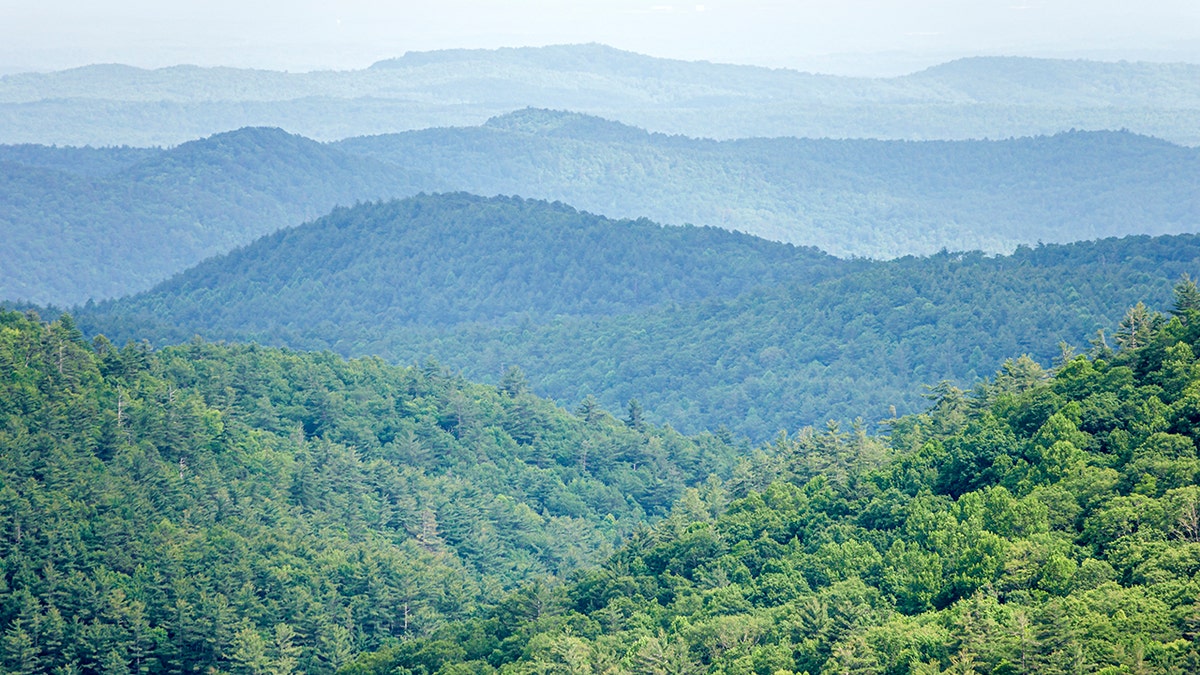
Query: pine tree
column 249, row 652
column 20, row 654
column 286, row 654
column 634, row 415
column 1135, row 329
column 1187, row 297
column 589, row 409
column 514, row 382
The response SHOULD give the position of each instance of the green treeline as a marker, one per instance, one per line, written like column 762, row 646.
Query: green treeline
column 450, row 259
column 205, row 507
column 1044, row 522
column 703, row 326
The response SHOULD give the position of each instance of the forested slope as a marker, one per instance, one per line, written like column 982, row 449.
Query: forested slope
column 702, row 326
column 1040, row 524
column 103, row 222
column 83, row 222
column 969, row 98
column 847, row 197
column 864, row 344
column 207, row 507
column 442, row 260
column 250, row 509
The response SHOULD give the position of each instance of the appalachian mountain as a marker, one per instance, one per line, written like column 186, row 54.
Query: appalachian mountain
column 969, row 98
column 103, row 222
column 848, row 197
column 85, row 223
column 704, row 327
column 455, row 259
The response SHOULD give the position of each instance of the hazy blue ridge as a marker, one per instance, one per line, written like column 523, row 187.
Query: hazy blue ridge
column 847, row 197
column 969, row 98
column 98, row 223
column 102, row 222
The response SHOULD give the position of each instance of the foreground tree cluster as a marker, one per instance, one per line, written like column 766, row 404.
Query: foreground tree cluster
column 1037, row 524
column 212, row 508
column 239, row 509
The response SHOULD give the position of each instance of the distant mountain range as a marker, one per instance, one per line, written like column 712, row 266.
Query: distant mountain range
column 848, row 197
column 85, row 223
column 98, row 223
column 990, row 97
column 703, row 326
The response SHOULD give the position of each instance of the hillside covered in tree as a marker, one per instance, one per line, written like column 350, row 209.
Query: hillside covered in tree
column 1042, row 523
column 103, row 222
column 969, row 98
column 870, row 198
column 204, row 508
column 704, row 327
column 449, row 259
column 256, row 510
column 85, row 223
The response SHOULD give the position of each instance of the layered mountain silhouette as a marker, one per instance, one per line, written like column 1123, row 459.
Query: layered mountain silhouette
column 85, row 223
column 969, row 98
column 102, row 222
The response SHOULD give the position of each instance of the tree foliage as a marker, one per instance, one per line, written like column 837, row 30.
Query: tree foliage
column 704, row 327
column 252, row 510
column 1033, row 525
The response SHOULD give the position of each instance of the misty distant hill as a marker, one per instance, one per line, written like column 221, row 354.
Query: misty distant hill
column 86, row 223
column 102, row 222
column 848, row 197
column 704, row 327
column 969, row 98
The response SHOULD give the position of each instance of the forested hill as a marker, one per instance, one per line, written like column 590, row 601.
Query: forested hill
column 103, row 222
column 83, row 222
column 1042, row 524
column 848, row 197
column 443, row 260
column 205, row 507
column 240, row 509
column 702, row 326
column 972, row 98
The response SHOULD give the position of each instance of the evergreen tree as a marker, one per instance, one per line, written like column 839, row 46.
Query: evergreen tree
column 1187, row 297
column 634, row 416
column 1135, row 329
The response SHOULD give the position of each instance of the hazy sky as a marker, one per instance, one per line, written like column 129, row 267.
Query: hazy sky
column 830, row 35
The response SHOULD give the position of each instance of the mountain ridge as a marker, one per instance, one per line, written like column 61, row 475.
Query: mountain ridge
column 859, row 197
column 100, row 106
column 161, row 211
column 126, row 229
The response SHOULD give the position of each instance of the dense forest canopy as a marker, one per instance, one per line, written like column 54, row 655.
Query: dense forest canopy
column 439, row 260
column 1045, row 522
column 165, row 511
column 256, row 510
column 969, row 98
column 704, row 327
